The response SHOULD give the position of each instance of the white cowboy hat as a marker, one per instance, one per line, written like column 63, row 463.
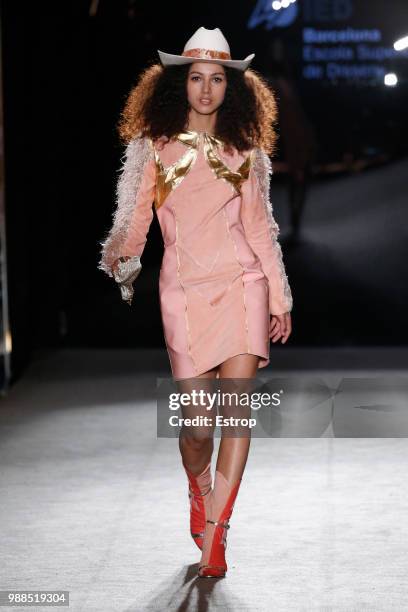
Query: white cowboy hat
column 206, row 46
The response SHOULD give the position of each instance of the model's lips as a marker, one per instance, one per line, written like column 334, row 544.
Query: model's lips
column 205, row 101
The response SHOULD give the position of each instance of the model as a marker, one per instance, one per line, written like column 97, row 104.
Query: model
column 199, row 129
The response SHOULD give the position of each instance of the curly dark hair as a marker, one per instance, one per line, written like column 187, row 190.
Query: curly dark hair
column 158, row 106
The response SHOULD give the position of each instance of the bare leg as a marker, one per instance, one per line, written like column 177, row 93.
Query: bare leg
column 231, row 461
column 233, row 451
column 196, row 444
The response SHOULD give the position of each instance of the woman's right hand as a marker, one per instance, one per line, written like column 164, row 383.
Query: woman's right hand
column 280, row 326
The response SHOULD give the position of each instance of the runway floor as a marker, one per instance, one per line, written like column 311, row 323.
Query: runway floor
column 94, row 503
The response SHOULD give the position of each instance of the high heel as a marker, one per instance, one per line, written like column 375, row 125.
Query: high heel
column 199, row 486
column 213, row 563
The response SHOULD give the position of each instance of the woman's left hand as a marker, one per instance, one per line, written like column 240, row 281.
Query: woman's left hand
column 280, row 327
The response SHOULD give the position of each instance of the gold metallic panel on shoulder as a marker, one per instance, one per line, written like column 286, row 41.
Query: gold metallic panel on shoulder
column 221, row 170
column 169, row 178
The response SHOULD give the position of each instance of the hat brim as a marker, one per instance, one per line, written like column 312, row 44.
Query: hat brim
column 168, row 59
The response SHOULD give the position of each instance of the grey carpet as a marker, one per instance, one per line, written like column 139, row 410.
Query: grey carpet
column 92, row 502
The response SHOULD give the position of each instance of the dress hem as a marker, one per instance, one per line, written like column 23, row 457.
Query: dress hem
column 263, row 362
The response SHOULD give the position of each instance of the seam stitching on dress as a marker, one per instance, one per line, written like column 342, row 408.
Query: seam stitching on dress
column 184, row 293
column 242, row 278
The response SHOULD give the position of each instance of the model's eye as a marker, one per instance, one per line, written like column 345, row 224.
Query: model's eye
column 218, row 79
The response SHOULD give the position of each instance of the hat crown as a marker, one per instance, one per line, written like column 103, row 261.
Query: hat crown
column 208, row 39
column 205, row 46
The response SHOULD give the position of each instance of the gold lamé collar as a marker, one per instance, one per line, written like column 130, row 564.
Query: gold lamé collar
column 191, row 138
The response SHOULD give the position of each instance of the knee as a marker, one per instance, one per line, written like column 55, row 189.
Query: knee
column 197, row 440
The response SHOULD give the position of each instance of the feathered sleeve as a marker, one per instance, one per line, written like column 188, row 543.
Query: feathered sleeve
column 262, row 231
column 135, row 193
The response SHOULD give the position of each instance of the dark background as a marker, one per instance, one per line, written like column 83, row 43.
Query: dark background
column 67, row 72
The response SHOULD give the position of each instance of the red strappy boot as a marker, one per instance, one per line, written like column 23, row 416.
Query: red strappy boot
column 213, row 563
column 200, row 486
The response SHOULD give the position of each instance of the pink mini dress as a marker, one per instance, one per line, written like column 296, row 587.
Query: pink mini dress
column 222, row 272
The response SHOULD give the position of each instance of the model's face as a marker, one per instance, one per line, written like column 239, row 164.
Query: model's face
column 206, row 85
